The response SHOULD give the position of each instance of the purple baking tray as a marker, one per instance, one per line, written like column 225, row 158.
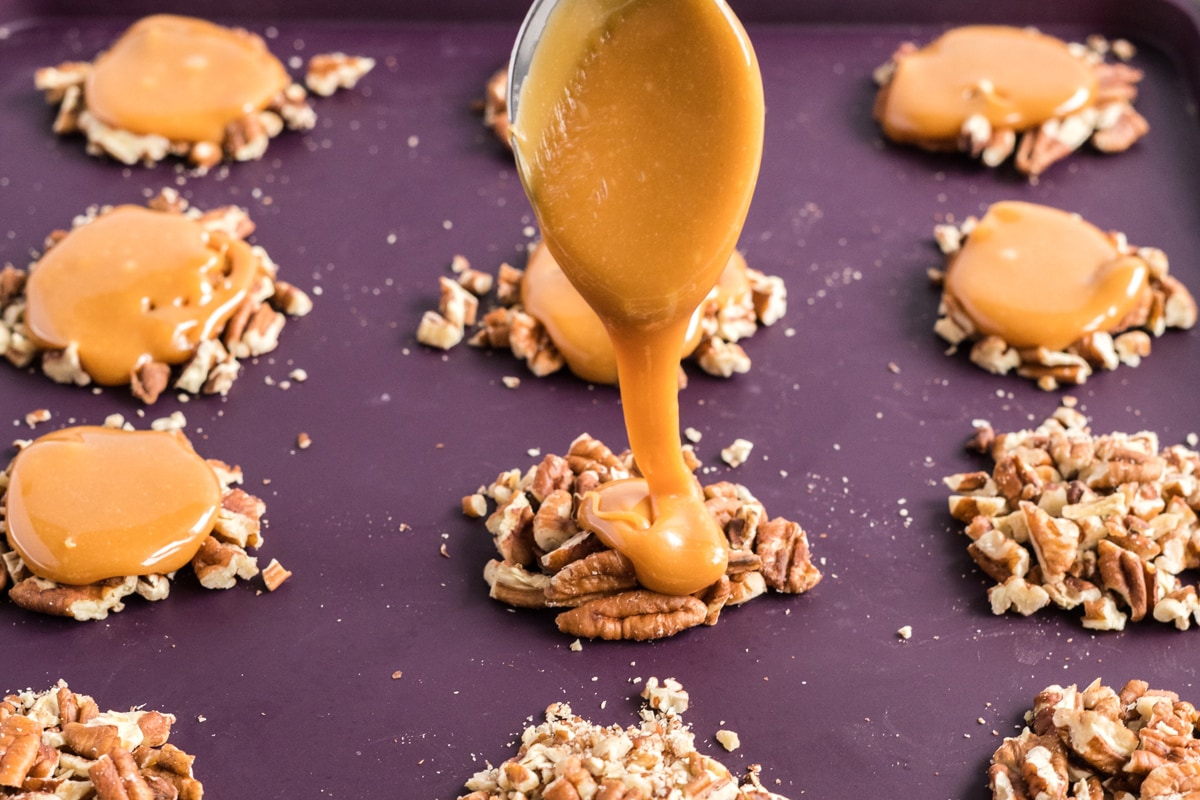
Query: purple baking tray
column 382, row 667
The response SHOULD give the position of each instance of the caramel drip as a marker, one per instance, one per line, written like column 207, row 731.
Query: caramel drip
column 88, row 503
column 638, row 139
column 182, row 78
column 1015, row 77
column 578, row 333
column 1037, row 276
column 136, row 285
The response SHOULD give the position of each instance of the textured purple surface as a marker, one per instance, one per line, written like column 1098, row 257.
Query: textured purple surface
column 295, row 688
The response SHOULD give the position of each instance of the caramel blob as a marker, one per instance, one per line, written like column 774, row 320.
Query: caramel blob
column 182, row 78
column 1037, row 276
column 579, row 335
column 136, row 285
column 638, row 139
column 1015, row 77
column 88, row 503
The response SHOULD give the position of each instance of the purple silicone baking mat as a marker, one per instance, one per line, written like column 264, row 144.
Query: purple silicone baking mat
column 382, row 667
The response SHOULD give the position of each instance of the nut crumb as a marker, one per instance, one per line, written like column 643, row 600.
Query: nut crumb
column 303, row 440
column 298, row 375
column 37, row 416
column 905, row 632
column 736, row 454
column 397, row 675
column 511, row 381
column 576, row 646
column 274, row 574
column 729, row 740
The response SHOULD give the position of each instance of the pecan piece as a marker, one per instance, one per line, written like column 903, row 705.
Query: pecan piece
column 639, row 615
column 786, row 562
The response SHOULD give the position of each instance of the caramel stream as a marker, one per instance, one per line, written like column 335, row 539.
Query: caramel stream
column 638, row 139
column 88, row 503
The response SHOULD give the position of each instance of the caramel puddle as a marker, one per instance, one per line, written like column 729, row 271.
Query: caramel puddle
column 89, row 503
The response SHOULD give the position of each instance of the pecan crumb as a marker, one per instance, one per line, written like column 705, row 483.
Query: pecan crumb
column 303, row 440
column 37, row 416
column 569, row 757
column 736, row 454
column 328, row 72
column 274, row 574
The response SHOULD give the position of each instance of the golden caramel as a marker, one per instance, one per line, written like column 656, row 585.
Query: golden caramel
column 1014, row 77
column 182, row 78
column 85, row 504
column 638, row 138
column 1037, row 276
column 577, row 332
column 136, row 285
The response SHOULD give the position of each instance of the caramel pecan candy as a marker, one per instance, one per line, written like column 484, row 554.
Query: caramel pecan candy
column 1101, row 744
column 548, row 559
column 221, row 561
column 58, row 744
column 568, row 758
column 1104, row 523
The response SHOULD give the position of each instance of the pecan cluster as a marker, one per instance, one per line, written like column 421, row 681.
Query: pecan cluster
column 222, row 559
column 508, row 326
column 253, row 329
column 59, row 744
column 1107, row 523
column 548, row 560
column 1166, row 303
column 1110, row 123
column 1101, row 744
column 568, row 758
column 245, row 139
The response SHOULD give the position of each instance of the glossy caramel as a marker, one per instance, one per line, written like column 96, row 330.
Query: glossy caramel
column 578, row 334
column 88, row 503
column 136, row 285
column 1038, row 276
column 182, row 78
column 638, row 138
column 1015, row 77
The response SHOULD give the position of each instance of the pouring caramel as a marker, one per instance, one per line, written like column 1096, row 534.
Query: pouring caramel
column 579, row 335
column 638, row 139
column 1040, row 277
column 136, row 285
column 1015, row 77
column 182, row 78
column 88, row 503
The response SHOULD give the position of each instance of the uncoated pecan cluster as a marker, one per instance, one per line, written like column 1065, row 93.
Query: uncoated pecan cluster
column 569, row 758
column 548, row 560
column 58, row 744
column 1100, row 744
column 1104, row 522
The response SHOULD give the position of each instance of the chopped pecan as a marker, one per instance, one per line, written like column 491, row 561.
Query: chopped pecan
column 328, row 72
column 219, row 564
column 495, row 105
column 787, row 565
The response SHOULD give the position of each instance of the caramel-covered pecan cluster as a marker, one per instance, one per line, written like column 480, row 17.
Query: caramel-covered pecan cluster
column 59, row 744
column 1101, row 744
column 568, row 758
column 1107, row 523
column 1110, row 123
column 548, row 560
column 222, row 559
column 508, row 326
column 252, row 330
column 1165, row 304
column 245, row 139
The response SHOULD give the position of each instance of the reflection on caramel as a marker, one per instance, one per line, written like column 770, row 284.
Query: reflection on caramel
column 577, row 332
column 1015, row 77
column 182, row 78
column 1037, row 276
column 638, row 138
column 136, row 285
column 85, row 504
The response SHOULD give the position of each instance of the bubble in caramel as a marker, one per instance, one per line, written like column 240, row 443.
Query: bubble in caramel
column 994, row 91
column 638, row 138
column 1040, row 277
column 182, row 78
column 134, row 286
column 89, row 503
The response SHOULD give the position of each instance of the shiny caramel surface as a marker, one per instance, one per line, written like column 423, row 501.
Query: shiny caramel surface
column 1014, row 77
column 136, row 285
column 578, row 333
column 182, row 78
column 1038, row 276
column 89, row 503
column 638, row 138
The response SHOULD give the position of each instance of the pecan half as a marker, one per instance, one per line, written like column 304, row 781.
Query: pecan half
column 637, row 615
